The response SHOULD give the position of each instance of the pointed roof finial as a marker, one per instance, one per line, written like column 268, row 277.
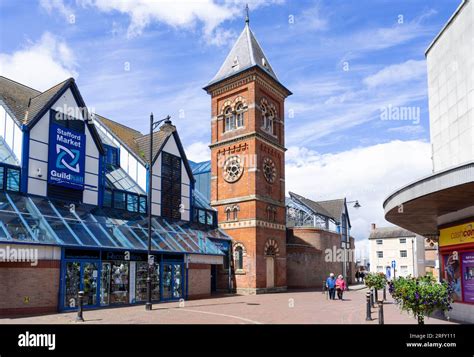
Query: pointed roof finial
column 247, row 18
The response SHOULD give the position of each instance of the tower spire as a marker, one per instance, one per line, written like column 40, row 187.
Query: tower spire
column 247, row 18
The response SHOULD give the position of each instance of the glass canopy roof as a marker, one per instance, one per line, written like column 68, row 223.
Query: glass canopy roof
column 37, row 220
column 6, row 155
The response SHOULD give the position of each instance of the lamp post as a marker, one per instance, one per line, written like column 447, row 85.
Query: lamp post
column 344, row 258
column 153, row 126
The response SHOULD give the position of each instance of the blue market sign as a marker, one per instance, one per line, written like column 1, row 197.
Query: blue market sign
column 394, row 264
column 66, row 161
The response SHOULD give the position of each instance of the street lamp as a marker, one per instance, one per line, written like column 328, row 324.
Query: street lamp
column 151, row 262
column 356, row 203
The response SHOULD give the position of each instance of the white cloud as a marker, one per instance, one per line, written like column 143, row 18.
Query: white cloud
column 41, row 64
column 198, row 151
column 397, row 73
column 53, row 6
column 179, row 14
column 367, row 174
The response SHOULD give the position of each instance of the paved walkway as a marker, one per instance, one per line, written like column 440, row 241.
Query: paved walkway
column 293, row 307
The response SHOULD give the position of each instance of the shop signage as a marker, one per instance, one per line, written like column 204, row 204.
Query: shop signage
column 461, row 234
column 66, row 160
column 126, row 255
column 468, row 276
column 222, row 245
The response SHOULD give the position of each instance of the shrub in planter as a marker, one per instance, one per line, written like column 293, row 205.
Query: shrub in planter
column 376, row 280
column 421, row 296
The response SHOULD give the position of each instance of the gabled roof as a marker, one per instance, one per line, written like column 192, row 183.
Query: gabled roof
column 331, row 208
column 16, row 96
column 43, row 100
column 390, row 232
column 28, row 105
column 139, row 144
column 246, row 53
column 334, row 207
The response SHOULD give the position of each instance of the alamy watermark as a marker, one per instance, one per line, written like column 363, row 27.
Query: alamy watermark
column 339, row 255
column 19, row 255
column 400, row 113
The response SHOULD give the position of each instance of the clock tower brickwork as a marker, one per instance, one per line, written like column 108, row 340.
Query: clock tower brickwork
column 248, row 167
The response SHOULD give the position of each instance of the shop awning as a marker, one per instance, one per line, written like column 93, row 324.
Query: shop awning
column 38, row 220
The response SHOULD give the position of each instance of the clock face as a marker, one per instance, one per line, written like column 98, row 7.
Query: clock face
column 269, row 170
column 232, row 169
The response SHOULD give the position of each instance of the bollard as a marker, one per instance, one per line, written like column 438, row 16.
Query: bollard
column 368, row 298
column 376, row 297
column 384, row 294
column 381, row 322
column 80, row 298
column 372, row 300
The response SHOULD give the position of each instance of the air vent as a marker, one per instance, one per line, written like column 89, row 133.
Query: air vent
column 235, row 63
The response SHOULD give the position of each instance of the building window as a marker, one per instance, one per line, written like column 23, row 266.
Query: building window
column 240, row 115
column 227, row 213
column 403, row 269
column 142, row 204
column 111, row 155
column 403, row 240
column 380, row 254
column 403, row 254
column 236, row 210
column 230, row 121
column 379, row 241
column 12, row 180
column 239, row 258
column 119, row 200
column 379, row 269
column 132, row 203
column 268, row 117
column 107, row 198
column 170, row 186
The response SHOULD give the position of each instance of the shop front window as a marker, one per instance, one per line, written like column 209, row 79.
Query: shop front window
column 119, row 283
column 141, row 276
column 73, row 283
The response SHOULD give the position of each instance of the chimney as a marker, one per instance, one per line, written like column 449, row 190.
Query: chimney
column 373, row 226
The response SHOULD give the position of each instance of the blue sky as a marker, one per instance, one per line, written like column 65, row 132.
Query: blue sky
column 345, row 61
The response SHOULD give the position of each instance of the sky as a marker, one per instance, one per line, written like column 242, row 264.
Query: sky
column 357, row 124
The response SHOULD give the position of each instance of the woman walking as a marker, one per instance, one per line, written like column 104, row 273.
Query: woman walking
column 340, row 286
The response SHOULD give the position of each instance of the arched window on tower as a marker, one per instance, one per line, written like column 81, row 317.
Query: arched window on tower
column 229, row 118
column 227, row 213
column 236, row 210
column 268, row 117
column 239, row 258
column 239, row 108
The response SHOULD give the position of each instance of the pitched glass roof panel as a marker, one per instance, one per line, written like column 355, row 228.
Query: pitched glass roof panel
column 6, row 154
column 42, row 221
column 117, row 178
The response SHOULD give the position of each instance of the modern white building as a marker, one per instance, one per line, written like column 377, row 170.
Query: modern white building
column 441, row 206
column 394, row 244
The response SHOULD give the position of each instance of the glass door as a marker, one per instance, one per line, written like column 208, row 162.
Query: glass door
column 80, row 276
column 72, row 284
column 105, row 284
column 167, row 281
column 90, row 276
column 172, row 281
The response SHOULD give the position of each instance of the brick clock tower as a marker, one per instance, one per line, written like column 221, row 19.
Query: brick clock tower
column 248, row 165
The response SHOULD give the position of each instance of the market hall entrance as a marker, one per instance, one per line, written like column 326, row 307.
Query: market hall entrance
column 172, row 281
column 81, row 276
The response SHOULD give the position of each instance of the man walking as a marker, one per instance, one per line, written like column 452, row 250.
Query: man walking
column 331, row 286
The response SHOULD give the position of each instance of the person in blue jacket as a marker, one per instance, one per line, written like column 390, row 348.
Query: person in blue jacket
column 331, row 286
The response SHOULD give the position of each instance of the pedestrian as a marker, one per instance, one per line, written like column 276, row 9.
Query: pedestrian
column 357, row 276
column 331, row 286
column 362, row 275
column 340, row 286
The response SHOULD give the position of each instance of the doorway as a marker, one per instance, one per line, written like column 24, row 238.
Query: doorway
column 172, row 281
column 270, row 271
column 81, row 276
column 213, row 278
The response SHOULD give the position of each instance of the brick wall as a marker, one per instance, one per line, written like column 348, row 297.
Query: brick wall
column 199, row 281
column 306, row 253
column 28, row 290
